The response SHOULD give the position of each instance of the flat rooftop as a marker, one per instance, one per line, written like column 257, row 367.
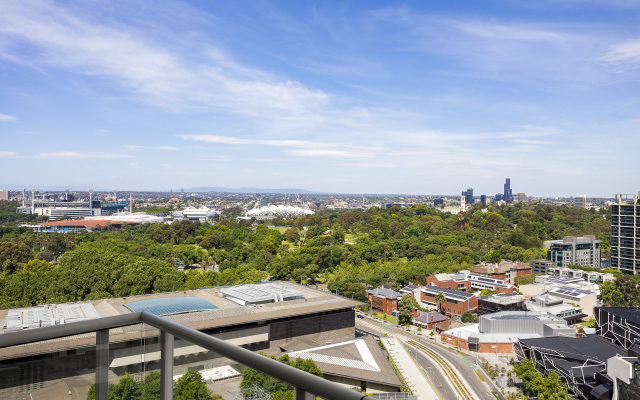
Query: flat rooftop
column 222, row 312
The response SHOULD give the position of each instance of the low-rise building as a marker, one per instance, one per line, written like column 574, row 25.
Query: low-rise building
column 499, row 332
column 464, row 280
column 432, row 320
column 384, row 300
column 541, row 266
column 456, row 302
column 505, row 270
column 556, row 306
column 492, row 303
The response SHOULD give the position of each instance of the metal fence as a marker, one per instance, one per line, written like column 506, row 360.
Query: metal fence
column 306, row 386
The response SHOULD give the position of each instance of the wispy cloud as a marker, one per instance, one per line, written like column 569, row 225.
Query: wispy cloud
column 263, row 142
column 132, row 147
column 626, row 52
column 8, row 118
column 201, row 77
column 327, row 153
column 169, row 148
column 72, row 155
column 8, row 154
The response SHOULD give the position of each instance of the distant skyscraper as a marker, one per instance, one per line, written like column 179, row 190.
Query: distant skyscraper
column 468, row 196
column 438, row 202
column 507, row 191
column 625, row 218
column 483, row 199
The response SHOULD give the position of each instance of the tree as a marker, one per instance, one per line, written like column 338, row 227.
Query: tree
column 405, row 308
column 191, row 386
column 151, row 386
column 292, row 235
column 467, row 317
column 440, row 298
column 525, row 279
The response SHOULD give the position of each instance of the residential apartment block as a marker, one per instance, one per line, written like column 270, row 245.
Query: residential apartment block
column 625, row 234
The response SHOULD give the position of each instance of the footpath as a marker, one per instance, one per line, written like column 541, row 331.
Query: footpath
column 411, row 373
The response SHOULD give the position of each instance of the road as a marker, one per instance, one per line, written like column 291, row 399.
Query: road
column 465, row 368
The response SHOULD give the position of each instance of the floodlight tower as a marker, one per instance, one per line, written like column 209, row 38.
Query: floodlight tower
column 33, row 200
column 130, row 202
column 115, row 196
column 23, row 198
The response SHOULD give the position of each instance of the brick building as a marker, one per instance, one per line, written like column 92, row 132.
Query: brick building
column 499, row 332
column 464, row 280
column 384, row 300
column 505, row 270
column 456, row 304
column 432, row 320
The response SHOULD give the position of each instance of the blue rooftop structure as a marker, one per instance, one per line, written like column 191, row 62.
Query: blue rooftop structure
column 170, row 305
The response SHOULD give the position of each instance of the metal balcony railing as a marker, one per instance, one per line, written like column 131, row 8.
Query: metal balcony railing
column 306, row 386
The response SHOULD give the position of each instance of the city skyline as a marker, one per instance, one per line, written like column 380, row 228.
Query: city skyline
column 418, row 98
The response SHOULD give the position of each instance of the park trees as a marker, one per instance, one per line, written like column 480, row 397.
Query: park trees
column 405, row 309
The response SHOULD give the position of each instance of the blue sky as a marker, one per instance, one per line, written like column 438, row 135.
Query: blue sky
column 424, row 97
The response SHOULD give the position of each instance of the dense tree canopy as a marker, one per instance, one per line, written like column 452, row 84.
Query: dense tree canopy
column 350, row 249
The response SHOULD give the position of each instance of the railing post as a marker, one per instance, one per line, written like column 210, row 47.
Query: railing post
column 299, row 394
column 102, row 364
column 166, row 366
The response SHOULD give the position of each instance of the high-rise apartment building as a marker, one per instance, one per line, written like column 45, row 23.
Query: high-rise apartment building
column 4, row 195
column 508, row 195
column 483, row 199
column 571, row 250
column 468, row 196
column 580, row 201
column 522, row 197
column 625, row 234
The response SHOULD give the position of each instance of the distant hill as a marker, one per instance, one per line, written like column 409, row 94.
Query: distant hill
column 217, row 189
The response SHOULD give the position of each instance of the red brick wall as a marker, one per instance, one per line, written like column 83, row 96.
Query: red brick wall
column 484, row 347
column 456, row 309
column 382, row 304
column 432, row 280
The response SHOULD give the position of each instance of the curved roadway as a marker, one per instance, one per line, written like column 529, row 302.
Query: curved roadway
column 464, row 367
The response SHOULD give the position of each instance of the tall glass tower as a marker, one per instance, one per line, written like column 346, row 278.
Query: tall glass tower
column 507, row 191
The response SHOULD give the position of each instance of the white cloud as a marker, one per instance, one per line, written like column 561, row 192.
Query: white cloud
column 263, row 142
column 8, row 118
column 169, row 148
column 145, row 65
column 132, row 147
column 327, row 153
column 8, row 154
column 628, row 51
column 72, row 155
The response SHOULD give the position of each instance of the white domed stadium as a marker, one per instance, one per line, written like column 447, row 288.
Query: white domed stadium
column 277, row 211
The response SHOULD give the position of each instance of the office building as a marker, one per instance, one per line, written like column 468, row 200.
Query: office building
column 456, row 302
column 572, row 250
column 438, row 202
column 507, row 194
column 580, row 201
column 4, row 195
column 483, row 199
column 625, row 240
column 522, row 197
column 468, row 196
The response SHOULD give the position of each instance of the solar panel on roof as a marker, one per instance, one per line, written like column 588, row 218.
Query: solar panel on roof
column 170, row 305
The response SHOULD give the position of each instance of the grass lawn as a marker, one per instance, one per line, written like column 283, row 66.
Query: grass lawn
column 386, row 317
column 281, row 229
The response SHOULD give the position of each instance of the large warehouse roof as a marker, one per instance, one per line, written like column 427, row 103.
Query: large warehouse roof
column 170, row 305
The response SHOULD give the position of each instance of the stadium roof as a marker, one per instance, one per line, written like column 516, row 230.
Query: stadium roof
column 170, row 305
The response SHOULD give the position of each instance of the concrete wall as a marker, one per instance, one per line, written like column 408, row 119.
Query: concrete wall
column 332, row 327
